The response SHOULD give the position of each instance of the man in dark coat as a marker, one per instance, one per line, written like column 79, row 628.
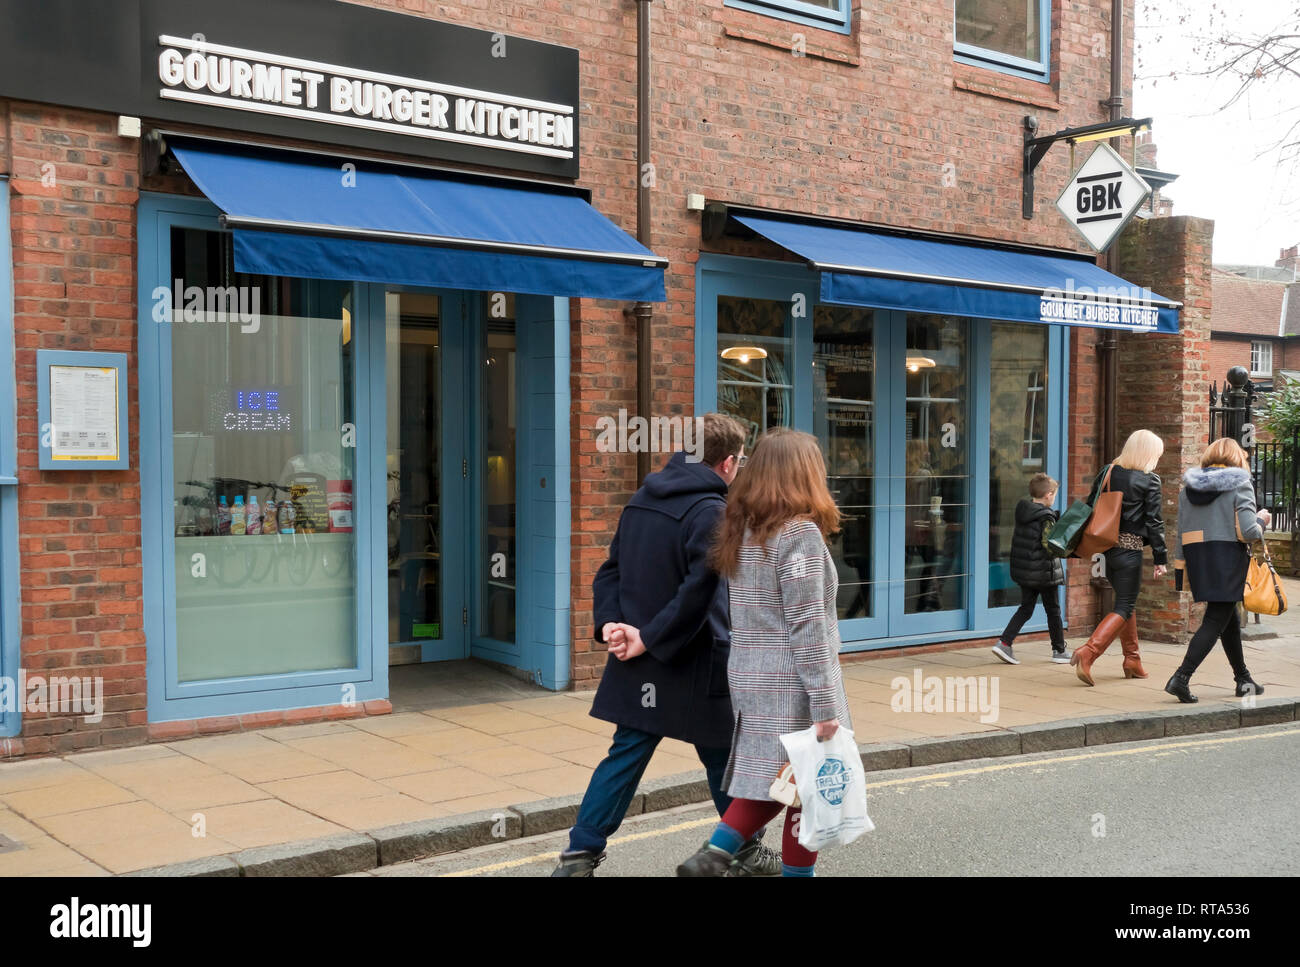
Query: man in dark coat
column 663, row 612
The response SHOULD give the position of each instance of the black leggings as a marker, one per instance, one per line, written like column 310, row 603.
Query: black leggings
column 1220, row 621
column 1124, row 571
column 1051, row 604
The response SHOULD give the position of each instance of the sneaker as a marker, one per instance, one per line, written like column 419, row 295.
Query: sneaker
column 708, row 860
column 1061, row 657
column 578, row 863
column 755, row 859
column 1006, row 653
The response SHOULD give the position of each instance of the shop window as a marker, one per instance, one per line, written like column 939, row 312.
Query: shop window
column 844, row 420
column 755, row 348
column 496, row 411
column 828, row 14
column 1007, row 35
column 1261, row 359
column 263, row 464
column 1017, row 440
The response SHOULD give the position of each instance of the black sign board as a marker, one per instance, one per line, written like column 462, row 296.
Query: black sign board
column 319, row 70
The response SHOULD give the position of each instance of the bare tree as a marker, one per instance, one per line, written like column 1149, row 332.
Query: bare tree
column 1266, row 62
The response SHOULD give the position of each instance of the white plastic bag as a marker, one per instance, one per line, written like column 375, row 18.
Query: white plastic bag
column 832, row 786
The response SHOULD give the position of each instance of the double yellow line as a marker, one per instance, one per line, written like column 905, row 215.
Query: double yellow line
column 1221, row 738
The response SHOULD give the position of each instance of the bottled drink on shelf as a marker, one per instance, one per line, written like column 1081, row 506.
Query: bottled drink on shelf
column 254, row 516
column 269, row 523
column 287, row 517
column 238, row 521
column 223, row 516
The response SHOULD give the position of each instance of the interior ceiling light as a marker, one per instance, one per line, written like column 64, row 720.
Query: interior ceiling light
column 744, row 353
column 917, row 363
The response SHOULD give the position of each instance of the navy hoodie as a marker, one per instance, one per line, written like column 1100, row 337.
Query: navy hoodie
column 658, row 579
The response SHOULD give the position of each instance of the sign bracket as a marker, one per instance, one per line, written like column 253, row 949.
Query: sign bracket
column 1036, row 148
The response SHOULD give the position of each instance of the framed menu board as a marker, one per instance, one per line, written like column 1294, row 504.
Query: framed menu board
column 82, row 410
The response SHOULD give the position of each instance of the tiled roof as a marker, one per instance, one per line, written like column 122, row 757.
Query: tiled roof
column 1247, row 306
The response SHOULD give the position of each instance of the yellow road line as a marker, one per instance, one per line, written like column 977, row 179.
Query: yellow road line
column 630, row 838
column 998, row 767
column 1219, row 739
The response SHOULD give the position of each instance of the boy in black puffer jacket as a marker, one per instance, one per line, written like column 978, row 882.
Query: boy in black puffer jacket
column 1036, row 571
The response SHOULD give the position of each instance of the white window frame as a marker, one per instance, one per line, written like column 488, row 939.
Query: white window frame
column 839, row 20
column 1261, row 350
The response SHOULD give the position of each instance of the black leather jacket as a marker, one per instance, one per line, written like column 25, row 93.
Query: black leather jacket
column 1140, row 513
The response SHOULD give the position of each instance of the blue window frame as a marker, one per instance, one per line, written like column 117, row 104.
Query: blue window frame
column 833, row 15
column 10, row 655
column 1011, row 36
column 541, row 645
column 886, row 623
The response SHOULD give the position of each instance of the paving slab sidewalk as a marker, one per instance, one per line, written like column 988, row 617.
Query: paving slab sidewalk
column 339, row 797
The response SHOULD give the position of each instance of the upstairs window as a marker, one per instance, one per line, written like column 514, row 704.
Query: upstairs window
column 1007, row 35
column 828, row 14
column 1261, row 359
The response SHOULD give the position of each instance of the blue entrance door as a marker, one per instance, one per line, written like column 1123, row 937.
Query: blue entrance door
column 452, row 467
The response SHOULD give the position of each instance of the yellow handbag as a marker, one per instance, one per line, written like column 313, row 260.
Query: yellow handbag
column 1263, row 593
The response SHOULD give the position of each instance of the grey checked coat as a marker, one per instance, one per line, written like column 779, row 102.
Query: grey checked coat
column 784, row 669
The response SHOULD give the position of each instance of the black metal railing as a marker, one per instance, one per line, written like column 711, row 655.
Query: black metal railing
column 1277, row 481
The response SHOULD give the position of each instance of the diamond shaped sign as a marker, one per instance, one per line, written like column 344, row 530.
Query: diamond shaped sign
column 1102, row 197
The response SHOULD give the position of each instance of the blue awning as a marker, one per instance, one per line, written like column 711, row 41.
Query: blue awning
column 873, row 269
column 307, row 216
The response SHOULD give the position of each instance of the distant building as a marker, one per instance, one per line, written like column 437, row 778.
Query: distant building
column 1255, row 319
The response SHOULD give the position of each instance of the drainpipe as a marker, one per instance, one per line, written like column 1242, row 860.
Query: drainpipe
column 642, row 312
column 1109, row 347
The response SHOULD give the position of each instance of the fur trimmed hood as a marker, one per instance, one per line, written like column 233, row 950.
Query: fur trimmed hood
column 1204, row 484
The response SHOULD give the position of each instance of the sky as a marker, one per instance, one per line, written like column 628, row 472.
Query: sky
column 1225, row 156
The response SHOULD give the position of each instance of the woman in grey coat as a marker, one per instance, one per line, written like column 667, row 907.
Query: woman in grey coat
column 784, row 670
column 1216, row 522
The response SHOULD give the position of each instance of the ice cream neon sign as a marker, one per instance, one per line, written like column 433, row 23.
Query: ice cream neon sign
column 257, row 411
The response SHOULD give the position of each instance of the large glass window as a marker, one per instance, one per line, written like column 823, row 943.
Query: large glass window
column 1017, row 440
column 1006, row 33
column 844, row 394
column 937, row 476
column 755, row 348
column 263, row 464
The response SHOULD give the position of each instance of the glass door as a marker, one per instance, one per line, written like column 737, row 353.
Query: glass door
column 931, row 480
column 452, row 468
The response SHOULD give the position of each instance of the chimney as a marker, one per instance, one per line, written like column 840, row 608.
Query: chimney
column 1290, row 259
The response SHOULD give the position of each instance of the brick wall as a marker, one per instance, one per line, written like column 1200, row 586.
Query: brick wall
column 74, row 187
column 1164, row 382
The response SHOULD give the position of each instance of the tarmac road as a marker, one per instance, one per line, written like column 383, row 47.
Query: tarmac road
column 1217, row 804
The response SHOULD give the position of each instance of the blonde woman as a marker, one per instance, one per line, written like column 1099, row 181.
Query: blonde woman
column 1217, row 520
column 784, row 669
column 1140, row 524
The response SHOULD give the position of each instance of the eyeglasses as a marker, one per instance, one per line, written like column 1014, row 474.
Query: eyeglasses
column 740, row 460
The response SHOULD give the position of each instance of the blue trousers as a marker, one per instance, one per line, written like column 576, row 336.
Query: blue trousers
column 615, row 781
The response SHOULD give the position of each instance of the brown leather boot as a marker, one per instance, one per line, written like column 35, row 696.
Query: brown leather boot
column 1128, row 640
column 1092, row 649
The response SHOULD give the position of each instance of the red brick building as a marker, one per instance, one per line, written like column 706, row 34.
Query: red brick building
column 1256, row 310
column 423, row 400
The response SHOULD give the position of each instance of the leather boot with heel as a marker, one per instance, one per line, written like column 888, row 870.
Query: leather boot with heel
column 1093, row 648
column 1128, row 638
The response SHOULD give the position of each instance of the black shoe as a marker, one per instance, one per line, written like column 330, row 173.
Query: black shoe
column 709, row 860
column 579, row 863
column 1248, row 686
column 755, row 859
column 1177, row 686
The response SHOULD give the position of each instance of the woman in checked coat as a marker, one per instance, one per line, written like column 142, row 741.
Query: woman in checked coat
column 784, row 670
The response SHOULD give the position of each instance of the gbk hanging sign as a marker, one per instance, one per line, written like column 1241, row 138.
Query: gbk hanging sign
column 1102, row 197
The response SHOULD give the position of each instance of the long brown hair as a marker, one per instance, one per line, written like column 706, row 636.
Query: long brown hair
column 784, row 478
